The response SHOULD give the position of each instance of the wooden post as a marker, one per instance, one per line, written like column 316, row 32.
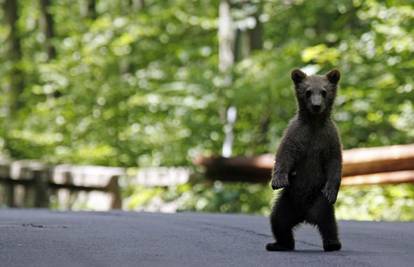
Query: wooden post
column 114, row 190
column 8, row 186
column 41, row 196
column 10, row 195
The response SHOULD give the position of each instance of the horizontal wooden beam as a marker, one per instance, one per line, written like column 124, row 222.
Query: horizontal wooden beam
column 380, row 178
column 52, row 185
column 378, row 159
column 356, row 162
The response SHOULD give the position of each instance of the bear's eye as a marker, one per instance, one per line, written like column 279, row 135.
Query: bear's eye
column 308, row 93
column 323, row 93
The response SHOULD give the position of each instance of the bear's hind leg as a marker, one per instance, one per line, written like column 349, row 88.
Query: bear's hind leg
column 282, row 221
column 322, row 214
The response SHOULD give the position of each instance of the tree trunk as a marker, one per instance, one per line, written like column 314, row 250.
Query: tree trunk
column 48, row 27
column 16, row 85
column 88, row 9
column 256, row 34
column 261, row 136
column 226, row 37
column 250, row 38
column 137, row 4
column 134, row 5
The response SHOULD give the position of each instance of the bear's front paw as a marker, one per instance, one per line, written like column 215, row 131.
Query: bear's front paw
column 280, row 181
column 330, row 195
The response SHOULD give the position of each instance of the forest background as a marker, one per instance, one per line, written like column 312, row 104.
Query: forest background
column 140, row 83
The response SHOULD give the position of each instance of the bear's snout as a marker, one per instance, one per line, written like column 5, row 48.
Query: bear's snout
column 316, row 108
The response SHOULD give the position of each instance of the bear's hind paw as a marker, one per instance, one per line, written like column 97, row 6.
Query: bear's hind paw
column 332, row 246
column 277, row 247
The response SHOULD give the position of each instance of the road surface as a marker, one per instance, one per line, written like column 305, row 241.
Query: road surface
column 46, row 238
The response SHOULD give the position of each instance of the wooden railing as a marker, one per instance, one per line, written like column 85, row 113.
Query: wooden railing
column 377, row 165
column 31, row 183
column 37, row 181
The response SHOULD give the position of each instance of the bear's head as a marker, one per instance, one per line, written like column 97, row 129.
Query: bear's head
column 315, row 93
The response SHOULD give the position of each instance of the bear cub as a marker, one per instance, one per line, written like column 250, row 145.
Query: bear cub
column 308, row 164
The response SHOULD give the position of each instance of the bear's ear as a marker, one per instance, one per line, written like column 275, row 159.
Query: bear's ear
column 333, row 76
column 298, row 76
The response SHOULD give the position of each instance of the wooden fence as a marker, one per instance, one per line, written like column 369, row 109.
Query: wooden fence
column 30, row 183
column 377, row 165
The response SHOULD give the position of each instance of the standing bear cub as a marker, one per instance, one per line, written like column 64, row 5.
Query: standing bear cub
column 308, row 165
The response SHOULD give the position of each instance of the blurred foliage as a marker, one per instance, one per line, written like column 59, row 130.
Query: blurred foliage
column 371, row 202
column 390, row 202
column 201, row 196
column 140, row 87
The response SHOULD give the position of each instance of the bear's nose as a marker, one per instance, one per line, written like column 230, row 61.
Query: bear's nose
column 316, row 108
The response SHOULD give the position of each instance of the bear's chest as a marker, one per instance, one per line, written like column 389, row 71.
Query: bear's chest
column 316, row 146
column 315, row 149
column 310, row 165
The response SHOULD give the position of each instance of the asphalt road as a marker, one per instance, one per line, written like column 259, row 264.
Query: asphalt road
column 45, row 238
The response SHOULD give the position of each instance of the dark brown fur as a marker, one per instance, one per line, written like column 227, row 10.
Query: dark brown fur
column 308, row 165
